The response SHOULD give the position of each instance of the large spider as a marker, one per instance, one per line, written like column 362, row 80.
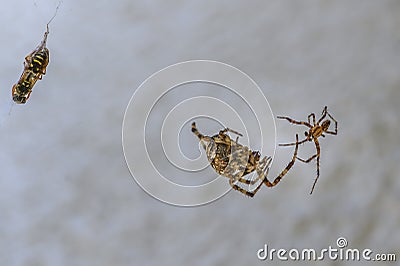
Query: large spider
column 234, row 161
column 316, row 130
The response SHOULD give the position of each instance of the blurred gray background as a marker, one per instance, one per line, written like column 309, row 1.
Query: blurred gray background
column 66, row 195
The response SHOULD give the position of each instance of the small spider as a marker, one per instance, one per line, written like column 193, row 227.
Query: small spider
column 234, row 161
column 316, row 130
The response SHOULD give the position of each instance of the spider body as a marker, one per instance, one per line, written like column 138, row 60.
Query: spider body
column 316, row 130
column 231, row 159
column 218, row 152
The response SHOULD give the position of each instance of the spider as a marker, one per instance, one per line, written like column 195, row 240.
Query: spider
column 316, row 130
column 234, row 161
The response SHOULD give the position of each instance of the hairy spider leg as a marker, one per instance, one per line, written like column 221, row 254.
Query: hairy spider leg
column 294, row 143
column 334, row 120
column 199, row 135
column 261, row 167
column 287, row 168
column 323, row 114
column 294, row 121
column 308, row 124
column 313, row 117
column 261, row 175
column 196, row 132
column 317, row 155
column 230, row 130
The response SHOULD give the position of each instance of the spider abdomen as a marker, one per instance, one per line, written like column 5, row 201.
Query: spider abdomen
column 221, row 158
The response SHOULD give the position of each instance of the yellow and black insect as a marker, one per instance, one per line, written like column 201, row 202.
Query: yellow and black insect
column 22, row 90
column 34, row 68
column 37, row 61
column 35, row 65
column 234, row 161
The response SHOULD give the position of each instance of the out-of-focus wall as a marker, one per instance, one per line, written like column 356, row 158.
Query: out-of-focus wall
column 66, row 194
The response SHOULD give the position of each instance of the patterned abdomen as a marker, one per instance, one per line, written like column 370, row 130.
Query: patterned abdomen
column 22, row 90
column 38, row 62
column 221, row 159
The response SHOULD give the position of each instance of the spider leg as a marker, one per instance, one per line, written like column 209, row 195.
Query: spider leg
column 237, row 178
column 261, row 175
column 324, row 112
column 287, row 168
column 334, row 120
column 241, row 190
column 318, row 155
column 249, row 181
column 308, row 160
column 294, row 143
column 199, row 135
column 313, row 117
column 262, row 171
column 294, row 121
column 196, row 132
column 230, row 130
